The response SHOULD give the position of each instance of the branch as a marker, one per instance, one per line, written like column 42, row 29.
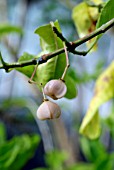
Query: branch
column 71, row 48
column 8, row 66
column 95, row 33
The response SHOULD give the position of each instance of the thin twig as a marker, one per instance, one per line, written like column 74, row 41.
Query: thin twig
column 44, row 96
column 86, row 52
column 59, row 34
column 33, row 74
column 67, row 62
column 95, row 33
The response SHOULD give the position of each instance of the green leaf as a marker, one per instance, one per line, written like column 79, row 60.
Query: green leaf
column 106, row 14
column 105, row 162
column 71, row 87
column 82, row 166
column 85, row 148
column 104, row 91
column 27, row 70
column 7, row 28
column 16, row 152
column 109, row 121
column 49, row 42
column 93, row 150
column 55, row 159
column 29, row 145
column 2, row 133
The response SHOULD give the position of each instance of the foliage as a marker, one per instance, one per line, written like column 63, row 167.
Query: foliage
column 105, row 15
column 15, row 152
column 109, row 122
column 55, row 159
column 104, row 90
column 2, row 134
column 7, row 28
column 94, row 151
column 88, row 20
column 29, row 69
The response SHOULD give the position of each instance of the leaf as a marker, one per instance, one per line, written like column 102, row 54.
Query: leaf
column 29, row 145
column 7, row 28
column 85, row 148
column 93, row 150
column 71, row 87
column 77, row 15
column 55, row 159
column 104, row 91
column 109, row 122
column 49, row 42
column 82, row 166
column 106, row 14
column 27, row 70
column 16, row 152
column 2, row 133
column 105, row 162
column 88, row 17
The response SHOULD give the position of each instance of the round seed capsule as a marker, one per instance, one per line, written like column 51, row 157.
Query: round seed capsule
column 48, row 110
column 55, row 89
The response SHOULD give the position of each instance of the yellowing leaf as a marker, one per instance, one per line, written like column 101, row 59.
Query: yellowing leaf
column 104, row 91
column 85, row 19
column 94, row 11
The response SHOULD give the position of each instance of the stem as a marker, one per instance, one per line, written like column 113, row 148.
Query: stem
column 59, row 34
column 73, row 45
column 19, row 64
column 44, row 96
column 86, row 52
column 31, row 78
column 99, row 31
column 4, row 64
column 67, row 62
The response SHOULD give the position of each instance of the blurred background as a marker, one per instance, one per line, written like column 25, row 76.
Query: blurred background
column 27, row 143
